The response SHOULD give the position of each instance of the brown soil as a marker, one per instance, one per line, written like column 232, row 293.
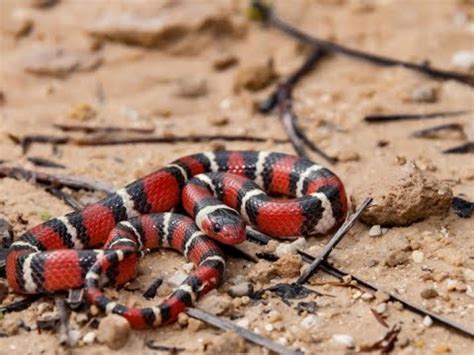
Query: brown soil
column 169, row 81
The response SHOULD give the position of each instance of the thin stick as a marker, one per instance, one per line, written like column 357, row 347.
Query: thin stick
column 461, row 149
column 413, row 116
column 65, row 197
column 341, row 232
column 101, row 129
column 269, row 17
column 45, row 163
column 20, row 305
column 73, row 182
column 432, row 131
column 332, row 270
column 245, row 333
column 64, row 331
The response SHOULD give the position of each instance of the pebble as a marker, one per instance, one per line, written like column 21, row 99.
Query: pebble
column 216, row 303
column 268, row 327
column 396, row 257
column 192, row 87
column 288, row 265
column 470, row 291
column 427, row 94
column 381, row 296
column 177, row 279
column 241, row 289
column 10, row 326
column 183, row 319
column 375, row 231
column 3, row 290
column 82, row 318
column 262, row 271
column 274, row 316
column 290, row 248
column 195, row 325
column 417, row 256
column 188, row 267
column 94, row 310
column 310, row 321
column 427, row 321
column 429, row 293
column 367, row 296
column 82, row 112
column 74, row 337
column 88, row 338
column 463, row 59
column 243, row 322
column 381, row 308
column 255, row 77
column 344, row 339
column 114, row 331
column 218, row 121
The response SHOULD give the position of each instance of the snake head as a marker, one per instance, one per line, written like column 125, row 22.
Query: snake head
column 225, row 226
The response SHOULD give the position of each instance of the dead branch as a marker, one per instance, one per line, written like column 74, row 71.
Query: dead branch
column 101, row 129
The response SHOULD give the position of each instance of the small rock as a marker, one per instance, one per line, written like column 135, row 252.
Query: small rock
column 3, row 290
column 88, row 338
column 381, row 297
column 216, row 303
column 404, row 196
column 82, row 318
column 311, row 321
column 397, row 257
column 224, row 61
column 290, row 248
column 442, row 349
column 427, row 321
column 177, row 279
column 375, row 231
column 114, row 331
column 417, row 256
column 183, row 319
column 242, row 289
column 470, row 291
column 381, row 308
column 426, row 94
column 218, row 121
column 429, row 293
column 195, row 325
column 344, row 339
column 274, row 316
column 191, row 87
column 94, row 310
column 288, row 265
column 367, row 296
column 463, row 59
column 74, row 337
column 243, row 322
column 227, row 343
column 255, row 77
column 188, row 267
column 372, row 262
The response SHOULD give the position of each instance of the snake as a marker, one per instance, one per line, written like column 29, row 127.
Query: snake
column 219, row 193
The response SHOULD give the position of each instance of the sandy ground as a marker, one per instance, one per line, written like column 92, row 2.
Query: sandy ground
column 142, row 87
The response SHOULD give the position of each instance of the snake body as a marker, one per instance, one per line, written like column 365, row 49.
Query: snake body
column 222, row 191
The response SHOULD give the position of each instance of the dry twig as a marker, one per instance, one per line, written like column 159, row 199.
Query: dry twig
column 413, row 116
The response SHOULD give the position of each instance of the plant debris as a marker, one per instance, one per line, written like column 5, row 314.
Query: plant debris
column 461, row 149
column 386, row 344
column 45, row 163
column 151, row 290
column 434, row 132
column 287, row 291
column 413, row 116
column 309, row 307
column 153, row 345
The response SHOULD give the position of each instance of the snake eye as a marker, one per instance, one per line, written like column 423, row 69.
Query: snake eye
column 216, row 227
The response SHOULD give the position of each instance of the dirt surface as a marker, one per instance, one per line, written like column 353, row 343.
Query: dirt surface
column 173, row 66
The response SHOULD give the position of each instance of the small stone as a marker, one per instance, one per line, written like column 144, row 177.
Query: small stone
column 426, row 94
column 268, row 327
column 288, row 265
column 470, row 291
column 255, row 77
column 381, row 297
column 242, row 289
column 188, row 267
column 3, row 290
column 218, row 121
column 397, row 257
column 427, row 321
column 311, row 321
column 417, row 256
column 263, row 271
column 451, row 285
column 274, row 316
column 372, row 262
column 94, row 310
column 74, row 337
column 114, row 331
column 192, row 87
column 183, row 319
column 177, row 279
column 195, row 325
column 88, row 338
column 375, row 231
column 381, row 308
column 290, row 248
column 224, row 61
column 429, row 293
column 243, row 322
column 82, row 318
column 344, row 339
column 367, row 296
column 442, row 349
column 415, row 245
column 463, row 59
